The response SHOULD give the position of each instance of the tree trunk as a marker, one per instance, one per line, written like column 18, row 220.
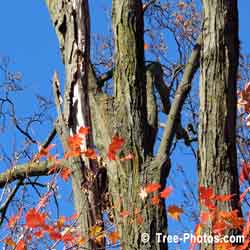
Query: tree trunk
column 217, row 129
column 130, row 113
column 124, row 114
column 72, row 25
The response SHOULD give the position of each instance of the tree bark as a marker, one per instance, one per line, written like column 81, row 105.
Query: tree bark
column 217, row 128
column 130, row 113
column 72, row 25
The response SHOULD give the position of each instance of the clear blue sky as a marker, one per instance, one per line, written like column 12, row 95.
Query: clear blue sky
column 28, row 39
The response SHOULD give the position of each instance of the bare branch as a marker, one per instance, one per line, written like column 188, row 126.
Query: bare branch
column 4, row 207
column 104, row 77
column 180, row 96
column 30, row 169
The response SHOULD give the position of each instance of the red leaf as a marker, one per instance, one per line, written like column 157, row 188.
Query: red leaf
column 43, row 152
column 74, row 142
column 206, row 193
column 35, row 219
column 116, row 144
column 53, row 234
column 245, row 172
column 111, row 156
column 150, row 188
column 242, row 196
column 39, row 234
column 68, row 237
column 223, row 198
column 20, row 245
column 175, row 212
column 155, row 200
column 114, row 237
column 72, row 153
column 166, row 192
column 219, row 227
column 65, row 173
column 84, row 130
column 90, row 153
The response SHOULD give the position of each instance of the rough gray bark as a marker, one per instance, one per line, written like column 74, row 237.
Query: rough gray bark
column 131, row 112
column 71, row 22
column 219, row 63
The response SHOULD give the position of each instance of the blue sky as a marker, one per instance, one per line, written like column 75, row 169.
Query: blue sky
column 28, row 39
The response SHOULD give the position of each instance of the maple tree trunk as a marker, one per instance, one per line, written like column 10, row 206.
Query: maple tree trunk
column 217, row 128
column 125, row 114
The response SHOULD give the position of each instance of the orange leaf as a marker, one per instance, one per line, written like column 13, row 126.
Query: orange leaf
column 146, row 46
column 60, row 222
column 84, row 130
column 65, row 173
column 114, row 237
column 166, row 192
column 8, row 241
column 175, row 212
column 82, row 241
column 155, row 200
column 150, row 188
column 35, row 219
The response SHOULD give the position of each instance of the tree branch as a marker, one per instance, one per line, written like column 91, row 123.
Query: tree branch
column 4, row 207
column 156, row 71
column 180, row 96
column 30, row 169
column 105, row 77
